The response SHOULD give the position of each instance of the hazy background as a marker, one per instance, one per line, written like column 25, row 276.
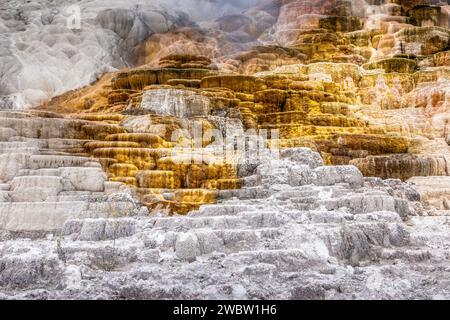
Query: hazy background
column 40, row 57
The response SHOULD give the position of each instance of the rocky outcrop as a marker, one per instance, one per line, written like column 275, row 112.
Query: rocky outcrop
column 404, row 166
column 277, row 224
column 43, row 186
column 294, row 144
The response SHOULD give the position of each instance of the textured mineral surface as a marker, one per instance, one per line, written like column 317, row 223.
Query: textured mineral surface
column 119, row 125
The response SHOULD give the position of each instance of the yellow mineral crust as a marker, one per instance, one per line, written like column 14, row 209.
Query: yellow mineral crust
column 373, row 93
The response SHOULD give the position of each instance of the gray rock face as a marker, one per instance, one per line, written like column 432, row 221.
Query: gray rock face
column 175, row 102
column 85, row 179
column 296, row 230
column 43, row 188
column 300, row 175
column 339, row 174
column 303, row 156
column 99, row 229
column 187, row 247
column 28, row 269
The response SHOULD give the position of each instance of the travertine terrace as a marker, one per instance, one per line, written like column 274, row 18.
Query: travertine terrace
column 115, row 182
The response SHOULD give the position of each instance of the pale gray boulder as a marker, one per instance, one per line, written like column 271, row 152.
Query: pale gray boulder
column 274, row 172
column 175, row 102
column 92, row 230
column 303, row 156
column 208, row 241
column 85, row 179
column 300, row 175
column 331, row 175
column 187, row 246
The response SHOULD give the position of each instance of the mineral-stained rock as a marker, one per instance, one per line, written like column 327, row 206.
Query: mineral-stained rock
column 403, row 166
column 321, row 229
column 238, row 83
column 177, row 103
column 138, row 79
column 128, row 189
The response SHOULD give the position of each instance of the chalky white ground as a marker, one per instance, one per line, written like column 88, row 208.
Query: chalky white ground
column 296, row 230
column 41, row 56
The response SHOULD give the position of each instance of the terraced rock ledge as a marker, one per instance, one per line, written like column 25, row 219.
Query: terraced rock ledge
column 123, row 189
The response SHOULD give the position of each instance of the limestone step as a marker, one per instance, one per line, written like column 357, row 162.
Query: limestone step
column 113, row 209
column 38, row 216
column 36, row 182
column 31, row 142
column 99, row 229
column 221, row 210
column 130, row 181
column 403, row 254
column 71, row 178
column 144, row 139
column 189, row 223
column 301, row 192
column 62, row 144
column 13, row 114
column 246, row 237
column 7, row 133
column 89, row 178
column 39, row 172
column 157, row 179
column 66, row 152
column 14, row 145
column 264, row 219
column 434, row 192
column 92, row 145
column 113, row 187
column 78, row 196
column 244, row 194
column 125, row 170
column 56, row 161
column 26, row 150
column 362, row 203
column 285, row 260
column 143, row 158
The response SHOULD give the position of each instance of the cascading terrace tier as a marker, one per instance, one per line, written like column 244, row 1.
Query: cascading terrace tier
column 364, row 89
column 126, row 191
